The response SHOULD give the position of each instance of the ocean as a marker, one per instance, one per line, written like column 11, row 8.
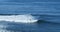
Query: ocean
column 29, row 15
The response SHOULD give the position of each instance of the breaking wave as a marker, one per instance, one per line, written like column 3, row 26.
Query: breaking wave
column 18, row 18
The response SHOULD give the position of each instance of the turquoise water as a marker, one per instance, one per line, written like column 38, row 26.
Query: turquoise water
column 47, row 11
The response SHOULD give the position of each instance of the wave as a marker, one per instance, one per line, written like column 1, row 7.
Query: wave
column 30, row 18
column 18, row 18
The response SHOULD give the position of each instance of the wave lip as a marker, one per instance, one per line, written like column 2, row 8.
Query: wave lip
column 19, row 18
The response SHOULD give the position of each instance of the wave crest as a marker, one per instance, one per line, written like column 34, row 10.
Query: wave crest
column 19, row 18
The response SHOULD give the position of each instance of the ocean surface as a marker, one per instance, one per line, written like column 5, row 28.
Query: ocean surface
column 46, row 12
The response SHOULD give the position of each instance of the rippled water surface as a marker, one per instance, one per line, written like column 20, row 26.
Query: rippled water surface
column 47, row 12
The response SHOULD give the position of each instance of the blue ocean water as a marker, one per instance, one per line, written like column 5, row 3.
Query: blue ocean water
column 46, row 11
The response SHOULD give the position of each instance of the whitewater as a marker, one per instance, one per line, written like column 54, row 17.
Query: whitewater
column 18, row 18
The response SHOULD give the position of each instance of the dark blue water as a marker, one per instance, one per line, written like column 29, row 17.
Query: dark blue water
column 47, row 11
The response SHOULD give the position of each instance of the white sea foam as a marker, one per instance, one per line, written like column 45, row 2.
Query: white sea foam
column 18, row 18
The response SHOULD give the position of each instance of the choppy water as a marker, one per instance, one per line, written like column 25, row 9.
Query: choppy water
column 46, row 11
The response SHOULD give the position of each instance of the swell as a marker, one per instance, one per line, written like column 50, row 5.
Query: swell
column 48, row 18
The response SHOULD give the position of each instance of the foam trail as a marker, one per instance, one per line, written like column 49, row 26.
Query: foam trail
column 18, row 18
